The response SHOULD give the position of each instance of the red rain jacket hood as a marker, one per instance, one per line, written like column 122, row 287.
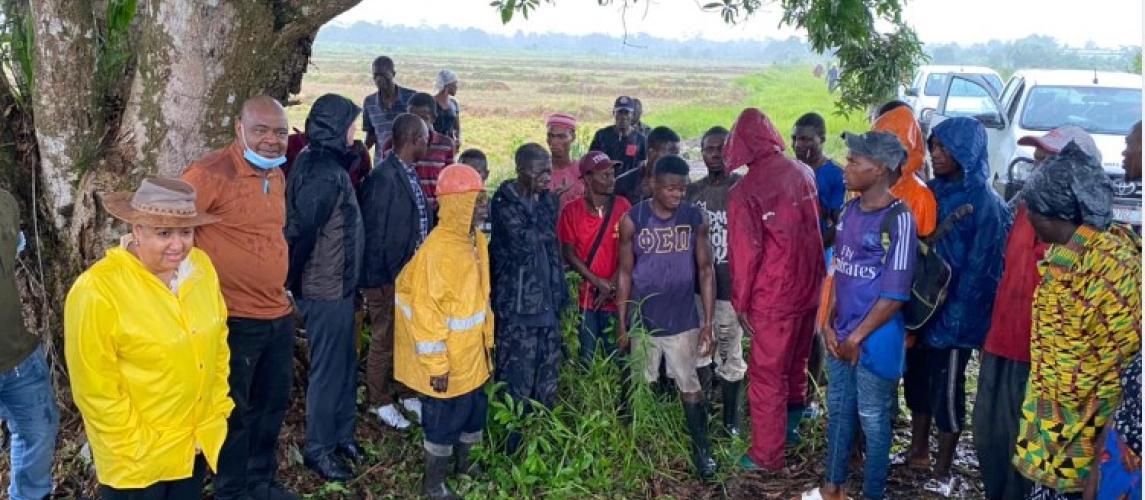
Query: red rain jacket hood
column 775, row 249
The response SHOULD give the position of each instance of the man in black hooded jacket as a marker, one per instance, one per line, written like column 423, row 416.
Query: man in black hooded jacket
column 324, row 234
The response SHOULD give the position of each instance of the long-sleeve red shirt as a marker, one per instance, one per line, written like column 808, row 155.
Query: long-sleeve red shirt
column 1012, row 318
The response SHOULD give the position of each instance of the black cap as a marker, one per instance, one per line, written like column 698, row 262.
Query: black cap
column 882, row 147
column 624, row 102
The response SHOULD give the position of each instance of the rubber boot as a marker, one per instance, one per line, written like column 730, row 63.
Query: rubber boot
column 731, row 406
column 794, row 419
column 707, row 376
column 462, row 464
column 665, row 387
column 436, row 469
column 513, row 442
column 697, row 420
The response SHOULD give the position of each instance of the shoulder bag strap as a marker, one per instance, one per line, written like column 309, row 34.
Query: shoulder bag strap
column 600, row 232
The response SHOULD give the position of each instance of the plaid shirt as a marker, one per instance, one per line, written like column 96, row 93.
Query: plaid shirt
column 438, row 155
column 422, row 203
column 381, row 121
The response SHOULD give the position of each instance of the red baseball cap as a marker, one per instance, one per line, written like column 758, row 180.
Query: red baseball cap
column 593, row 161
column 1057, row 139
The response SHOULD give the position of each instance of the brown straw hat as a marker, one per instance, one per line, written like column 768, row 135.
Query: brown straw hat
column 159, row 202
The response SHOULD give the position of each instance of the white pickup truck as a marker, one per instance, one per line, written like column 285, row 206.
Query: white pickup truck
column 1035, row 101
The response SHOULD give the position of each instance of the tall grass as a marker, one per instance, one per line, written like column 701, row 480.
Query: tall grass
column 580, row 447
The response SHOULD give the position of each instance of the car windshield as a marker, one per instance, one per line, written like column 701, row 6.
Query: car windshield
column 1097, row 110
column 936, row 83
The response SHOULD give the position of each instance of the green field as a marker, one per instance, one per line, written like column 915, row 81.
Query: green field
column 505, row 99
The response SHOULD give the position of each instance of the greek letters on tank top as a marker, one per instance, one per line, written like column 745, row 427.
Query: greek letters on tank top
column 664, row 274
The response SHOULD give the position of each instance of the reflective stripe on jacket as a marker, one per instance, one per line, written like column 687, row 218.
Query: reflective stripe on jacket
column 443, row 322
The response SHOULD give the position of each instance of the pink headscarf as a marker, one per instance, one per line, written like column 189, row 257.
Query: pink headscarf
column 561, row 120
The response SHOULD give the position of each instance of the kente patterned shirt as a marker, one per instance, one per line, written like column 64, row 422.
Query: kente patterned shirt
column 1086, row 329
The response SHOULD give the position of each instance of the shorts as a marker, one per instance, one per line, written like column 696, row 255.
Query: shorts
column 728, row 352
column 679, row 352
column 454, row 420
column 935, row 383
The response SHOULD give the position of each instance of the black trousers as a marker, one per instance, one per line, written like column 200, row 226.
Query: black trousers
column 190, row 488
column 331, row 407
column 262, row 353
column 997, row 422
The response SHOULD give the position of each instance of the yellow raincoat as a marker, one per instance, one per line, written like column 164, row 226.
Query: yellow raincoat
column 444, row 323
column 148, row 368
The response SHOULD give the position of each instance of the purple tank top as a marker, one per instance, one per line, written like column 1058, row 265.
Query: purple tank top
column 664, row 276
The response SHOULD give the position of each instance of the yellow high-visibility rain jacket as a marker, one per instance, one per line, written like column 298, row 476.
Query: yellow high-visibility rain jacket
column 443, row 321
column 148, row 367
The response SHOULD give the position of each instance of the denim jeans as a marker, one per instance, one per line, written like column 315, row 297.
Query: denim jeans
column 854, row 393
column 593, row 332
column 28, row 404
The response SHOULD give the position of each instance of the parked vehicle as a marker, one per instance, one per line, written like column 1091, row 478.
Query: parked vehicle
column 1035, row 101
column 929, row 83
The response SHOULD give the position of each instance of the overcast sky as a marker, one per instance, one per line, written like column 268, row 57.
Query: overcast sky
column 1108, row 23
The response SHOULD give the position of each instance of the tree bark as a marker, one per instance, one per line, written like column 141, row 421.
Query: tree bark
column 63, row 96
column 191, row 63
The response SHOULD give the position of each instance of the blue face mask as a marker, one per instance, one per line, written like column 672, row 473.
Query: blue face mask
column 260, row 162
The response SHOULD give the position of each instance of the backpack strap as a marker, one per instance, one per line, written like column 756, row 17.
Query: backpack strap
column 897, row 208
column 948, row 223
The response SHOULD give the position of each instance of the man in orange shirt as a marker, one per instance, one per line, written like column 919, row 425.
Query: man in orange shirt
column 243, row 186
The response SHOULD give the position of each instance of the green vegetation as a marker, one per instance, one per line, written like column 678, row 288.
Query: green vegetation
column 783, row 93
column 578, row 449
column 504, row 100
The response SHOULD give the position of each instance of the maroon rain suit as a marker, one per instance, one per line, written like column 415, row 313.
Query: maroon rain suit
column 776, row 256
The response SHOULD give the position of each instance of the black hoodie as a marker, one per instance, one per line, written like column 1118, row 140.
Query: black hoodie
column 323, row 224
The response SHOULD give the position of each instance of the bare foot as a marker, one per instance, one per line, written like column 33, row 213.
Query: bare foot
column 918, row 462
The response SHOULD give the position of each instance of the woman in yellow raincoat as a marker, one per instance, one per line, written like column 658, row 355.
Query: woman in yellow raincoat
column 145, row 340
column 444, row 327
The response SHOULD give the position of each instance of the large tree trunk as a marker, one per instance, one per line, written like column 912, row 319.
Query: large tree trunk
column 111, row 105
column 188, row 65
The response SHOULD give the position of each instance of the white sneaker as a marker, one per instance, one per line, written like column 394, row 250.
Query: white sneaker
column 390, row 416
column 945, row 487
column 413, row 405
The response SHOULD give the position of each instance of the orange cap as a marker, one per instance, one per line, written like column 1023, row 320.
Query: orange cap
column 459, row 178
